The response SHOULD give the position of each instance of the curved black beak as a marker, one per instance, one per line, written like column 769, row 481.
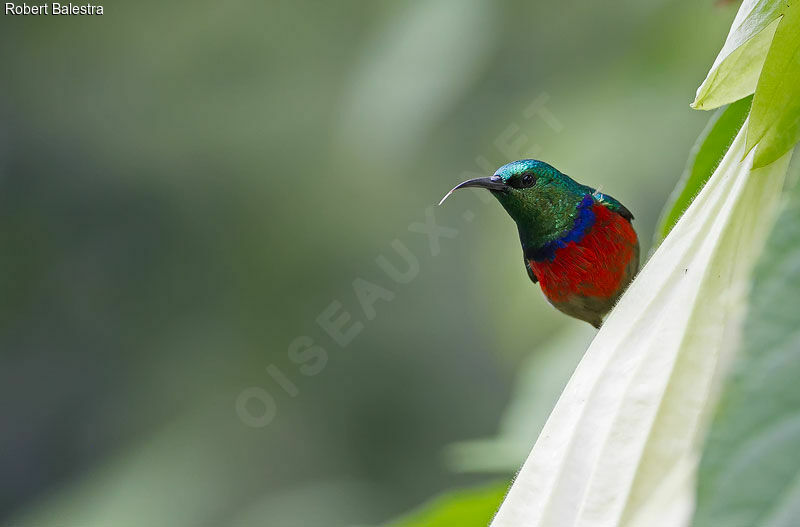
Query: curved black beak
column 491, row 183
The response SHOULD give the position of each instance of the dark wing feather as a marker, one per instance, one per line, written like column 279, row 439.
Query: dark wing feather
column 611, row 203
column 528, row 269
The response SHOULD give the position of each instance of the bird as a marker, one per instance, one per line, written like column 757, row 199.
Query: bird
column 578, row 244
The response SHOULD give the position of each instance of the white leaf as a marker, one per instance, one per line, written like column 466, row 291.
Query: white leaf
column 620, row 447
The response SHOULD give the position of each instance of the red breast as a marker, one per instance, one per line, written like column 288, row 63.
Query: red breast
column 594, row 266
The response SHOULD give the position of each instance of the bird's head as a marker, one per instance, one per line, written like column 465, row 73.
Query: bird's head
column 541, row 200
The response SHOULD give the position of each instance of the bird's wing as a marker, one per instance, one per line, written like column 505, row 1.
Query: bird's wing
column 611, row 203
column 528, row 269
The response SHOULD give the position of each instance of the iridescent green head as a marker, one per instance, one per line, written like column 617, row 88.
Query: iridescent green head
column 541, row 200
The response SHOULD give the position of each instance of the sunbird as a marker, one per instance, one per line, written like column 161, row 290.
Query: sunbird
column 577, row 242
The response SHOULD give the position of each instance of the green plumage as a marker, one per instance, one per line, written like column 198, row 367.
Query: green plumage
column 546, row 207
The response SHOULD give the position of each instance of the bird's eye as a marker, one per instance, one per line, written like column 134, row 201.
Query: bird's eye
column 528, row 180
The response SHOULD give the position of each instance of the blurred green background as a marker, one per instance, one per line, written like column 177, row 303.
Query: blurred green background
column 186, row 186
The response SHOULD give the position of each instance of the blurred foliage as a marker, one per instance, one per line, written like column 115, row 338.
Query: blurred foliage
column 537, row 386
column 749, row 470
column 704, row 158
column 187, row 186
column 465, row 508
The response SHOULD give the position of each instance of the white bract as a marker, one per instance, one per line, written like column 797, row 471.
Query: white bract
column 621, row 445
